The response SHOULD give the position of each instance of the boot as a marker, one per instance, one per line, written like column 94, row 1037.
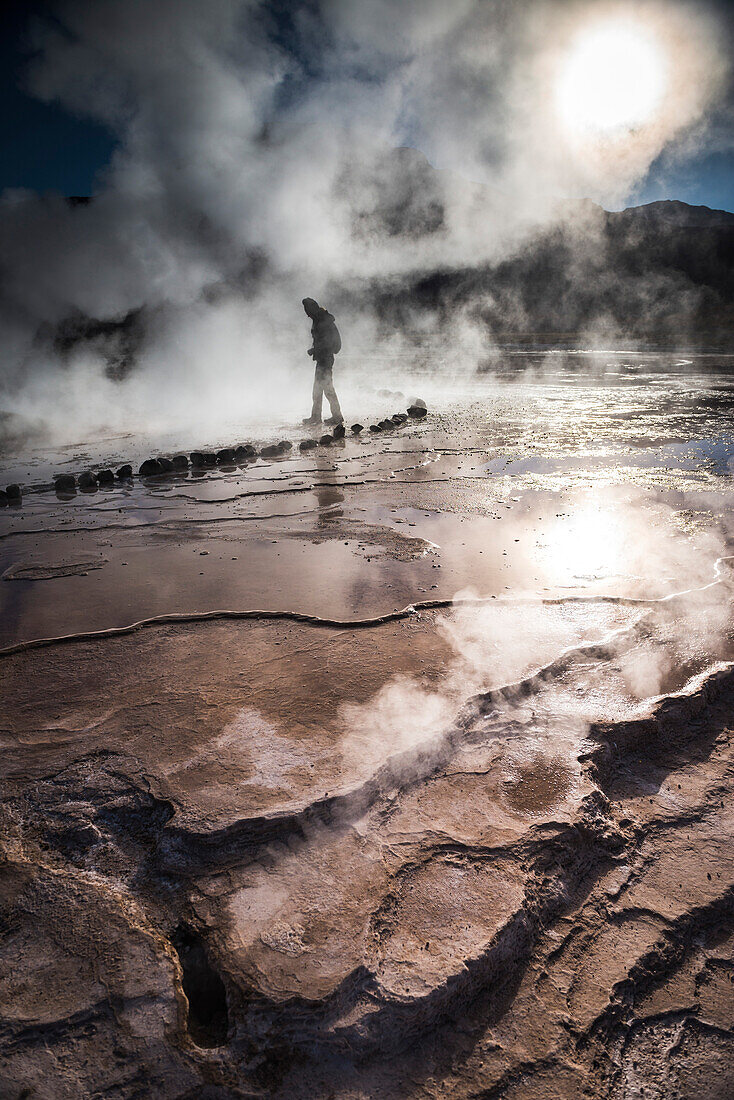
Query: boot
column 311, row 421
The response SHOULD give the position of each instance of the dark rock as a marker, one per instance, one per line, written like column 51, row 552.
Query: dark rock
column 417, row 412
column 202, row 459
column 326, row 440
column 87, row 481
column 165, row 464
column 375, row 428
column 244, row 452
column 150, row 467
column 105, row 477
column 339, row 431
column 386, row 425
column 285, row 445
column 3, row 498
column 307, row 444
column 357, row 428
column 270, row 451
column 225, row 457
column 418, row 402
column 125, row 472
column 64, row 483
column 399, row 418
column 180, row 462
column 13, row 491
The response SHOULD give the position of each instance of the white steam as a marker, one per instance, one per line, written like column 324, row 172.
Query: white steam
column 254, row 167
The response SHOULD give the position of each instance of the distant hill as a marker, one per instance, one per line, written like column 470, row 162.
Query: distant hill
column 672, row 212
column 662, row 272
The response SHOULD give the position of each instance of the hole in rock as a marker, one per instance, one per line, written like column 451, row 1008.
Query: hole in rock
column 208, row 1021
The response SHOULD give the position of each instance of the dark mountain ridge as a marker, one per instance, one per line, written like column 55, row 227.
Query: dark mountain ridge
column 661, row 273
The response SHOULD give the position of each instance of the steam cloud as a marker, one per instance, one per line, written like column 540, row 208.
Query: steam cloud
column 494, row 645
column 256, row 164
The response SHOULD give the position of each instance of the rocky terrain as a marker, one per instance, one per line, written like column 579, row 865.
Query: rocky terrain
column 405, row 773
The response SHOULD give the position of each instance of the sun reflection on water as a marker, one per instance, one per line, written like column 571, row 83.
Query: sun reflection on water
column 586, row 545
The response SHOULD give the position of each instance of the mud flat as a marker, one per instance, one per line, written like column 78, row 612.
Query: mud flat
column 402, row 773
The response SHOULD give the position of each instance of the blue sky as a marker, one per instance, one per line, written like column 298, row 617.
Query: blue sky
column 702, row 180
column 45, row 148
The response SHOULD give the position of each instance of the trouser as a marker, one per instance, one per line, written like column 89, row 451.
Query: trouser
column 323, row 383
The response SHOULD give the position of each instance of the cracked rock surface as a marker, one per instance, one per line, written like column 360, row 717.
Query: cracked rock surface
column 472, row 850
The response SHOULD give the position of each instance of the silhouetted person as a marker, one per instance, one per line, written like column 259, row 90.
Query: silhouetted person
column 326, row 343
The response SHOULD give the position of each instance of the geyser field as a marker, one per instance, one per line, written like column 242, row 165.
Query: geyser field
column 414, row 777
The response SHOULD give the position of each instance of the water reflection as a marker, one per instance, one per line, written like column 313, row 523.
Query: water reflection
column 328, row 495
column 587, row 544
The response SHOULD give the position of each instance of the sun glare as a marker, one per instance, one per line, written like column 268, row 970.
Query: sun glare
column 612, row 80
column 585, row 546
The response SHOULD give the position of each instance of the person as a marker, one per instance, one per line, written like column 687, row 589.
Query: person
column 326, row 343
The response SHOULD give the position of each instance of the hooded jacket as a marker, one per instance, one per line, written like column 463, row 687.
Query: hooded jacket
column 326, row 338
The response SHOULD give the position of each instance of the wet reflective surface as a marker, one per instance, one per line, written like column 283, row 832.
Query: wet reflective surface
column 617, row 482
column 427, row 734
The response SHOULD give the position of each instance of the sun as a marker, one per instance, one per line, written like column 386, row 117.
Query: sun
column 612, row 80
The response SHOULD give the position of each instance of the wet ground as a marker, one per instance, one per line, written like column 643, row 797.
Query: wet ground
column 397, row 768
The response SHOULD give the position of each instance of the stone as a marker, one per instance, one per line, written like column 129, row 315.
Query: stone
column 180, row 462
column 125, row 472
column 13, row 492
column 87, row 480
column 399, row 418
column 64, row 483
column 308, row 444
column 202, row 459
column 339, row 431
column 150, row 468
column 105, row 477
column 271, row 451
column 165, row 464
column 285, row 445
column 3, row 498
column 417, row 412
column 386, row 425
column 225, row 457
column 244, row 452
column 418, row 402
column 326, row 440
column 357, row 428
column 375, row 428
